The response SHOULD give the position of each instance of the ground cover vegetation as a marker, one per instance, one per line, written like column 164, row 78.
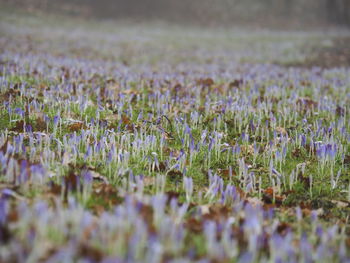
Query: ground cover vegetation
column 127, row 143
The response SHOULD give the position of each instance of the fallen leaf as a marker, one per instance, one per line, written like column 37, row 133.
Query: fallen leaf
column 296, row 153
column 75, row 127
column 217, row 212
column 340, row 111
column 19, row 126
column 96, row 176
column 341, row 204
column 281, row 130
column 90, row 252
column 40, row 125
column 283, row 228
column 268, row 196
column 175, row 175
column 171, row 195
column 207, row 82
column 125, row 120
column 306, row 103
column 236, row 83
column 194, row 225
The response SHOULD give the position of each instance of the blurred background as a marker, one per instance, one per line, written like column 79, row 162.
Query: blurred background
column 294, row 14
column 139, row 33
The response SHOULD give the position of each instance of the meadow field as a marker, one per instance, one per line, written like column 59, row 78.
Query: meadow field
column 122, row 142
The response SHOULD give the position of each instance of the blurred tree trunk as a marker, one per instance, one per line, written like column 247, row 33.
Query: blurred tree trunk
column 288, row 7
column 338, row 11
column 203, row 12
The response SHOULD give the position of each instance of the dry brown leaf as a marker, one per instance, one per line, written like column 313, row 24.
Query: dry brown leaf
column 75, row 127
column 281, row 130
column 207, row 82
column 341, row 204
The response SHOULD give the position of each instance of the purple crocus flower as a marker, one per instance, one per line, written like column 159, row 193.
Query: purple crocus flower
column 40, row 207
column 20, row 112
column 188, row 186
column 56, row 119
column 246, row 257
column 87, row 177
column 3, row 208
column 303, row 140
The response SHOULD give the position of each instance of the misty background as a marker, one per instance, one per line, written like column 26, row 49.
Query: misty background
column 266, row 13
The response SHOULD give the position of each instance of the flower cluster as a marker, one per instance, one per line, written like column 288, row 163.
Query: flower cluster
column 189, row 159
